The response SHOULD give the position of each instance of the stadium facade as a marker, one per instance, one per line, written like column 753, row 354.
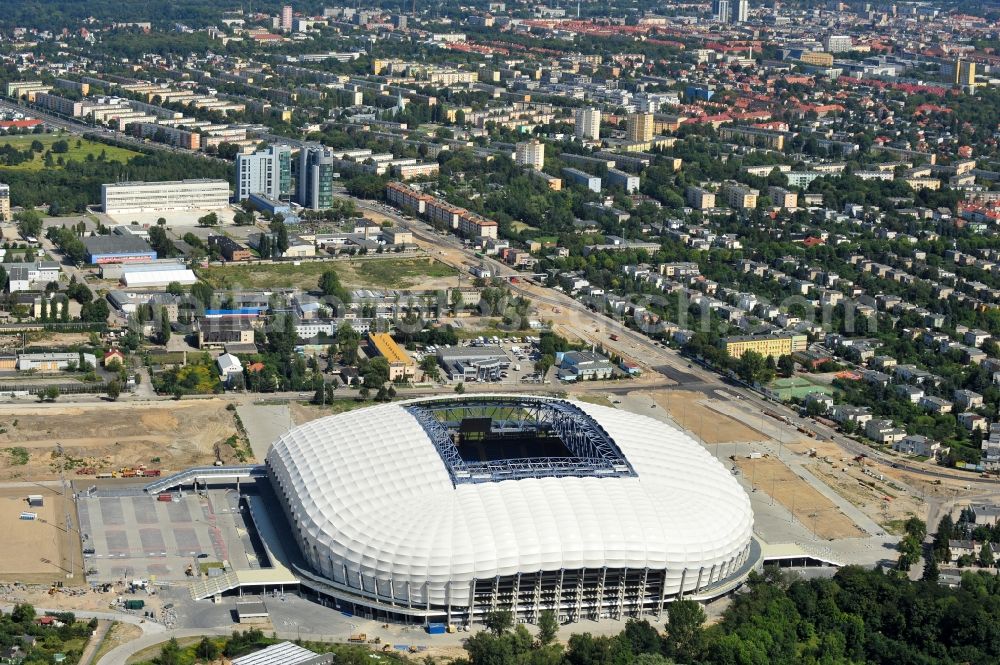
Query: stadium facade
column 445, row 509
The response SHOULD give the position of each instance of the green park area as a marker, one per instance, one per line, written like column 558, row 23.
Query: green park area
column 377, row 273
column 797, row 387
column 66, row 146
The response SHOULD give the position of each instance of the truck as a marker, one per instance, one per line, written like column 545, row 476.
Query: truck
column 165, row 497
column 358, row 638
column 135, row 604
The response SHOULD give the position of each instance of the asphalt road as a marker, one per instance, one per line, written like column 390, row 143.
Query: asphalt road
column 668, row 362
column 78, row 127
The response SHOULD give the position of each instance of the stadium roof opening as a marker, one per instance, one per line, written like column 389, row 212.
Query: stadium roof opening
column 495, row 438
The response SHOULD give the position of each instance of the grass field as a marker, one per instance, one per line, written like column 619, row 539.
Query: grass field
column 797, row 387
column 79, row 154
column 389, row 273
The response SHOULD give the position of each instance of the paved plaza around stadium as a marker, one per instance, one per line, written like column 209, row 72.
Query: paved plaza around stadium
column 136, row 536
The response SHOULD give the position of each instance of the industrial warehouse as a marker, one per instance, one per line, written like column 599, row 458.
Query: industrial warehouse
column 445, row 509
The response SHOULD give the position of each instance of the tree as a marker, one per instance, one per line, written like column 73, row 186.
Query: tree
column 329, row 285
column 429, row 366
column 498, row 622
column 456, row 300
column 986, row 559
column 50, row 394
column 375, row 372
column 211, row 219
column 786, row 365
column 203, row 293
column 460, row 388
column 945, row 532
column 29, row 223
column 348, row 341
column 114, row 389
column 931, row 571
column 685, row 619
column 175, row 288
column 170, row 654
column 548, row 626
column 364, row 392
column 23, row 613
column 163, row 334
column 751, row 367
column 96, row 311
column 207, row 649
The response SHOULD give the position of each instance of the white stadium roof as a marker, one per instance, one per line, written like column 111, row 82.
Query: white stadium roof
column 371, row 494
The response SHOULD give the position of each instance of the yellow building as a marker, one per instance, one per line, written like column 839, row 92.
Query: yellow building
column 965, row 74
column 740, row 196
column 639, row 127
column 766, row 345
column 401, row 365
column 817, row 58
column 924, row 183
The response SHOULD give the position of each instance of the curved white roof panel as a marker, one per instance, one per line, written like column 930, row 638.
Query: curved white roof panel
column 374, row 507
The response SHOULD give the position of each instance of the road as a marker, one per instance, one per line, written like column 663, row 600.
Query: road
column 631, row 343
column 78, row 127
column 95, row 641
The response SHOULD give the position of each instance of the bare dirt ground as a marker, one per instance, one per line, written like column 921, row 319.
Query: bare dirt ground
column 119, row 634
column 108, row 436
column 816, row 512
column 876, row 495
column 688, row 409
column 41, row 550
column 12, row 342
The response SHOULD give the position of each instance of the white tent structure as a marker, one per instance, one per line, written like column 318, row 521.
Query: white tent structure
column 387, row 520
column 141, row 275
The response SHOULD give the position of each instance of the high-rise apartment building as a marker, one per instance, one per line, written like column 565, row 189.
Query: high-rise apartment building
column 4, row 203
column 286, row 18
column 588, row 124
column 314, row 183
column 530, row 153
column 740, row 11
column 721, row 11
column 639, row 127
column 267, row 172
column 965, row 74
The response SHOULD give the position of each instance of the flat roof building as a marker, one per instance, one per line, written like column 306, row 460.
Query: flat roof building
column 531, row 154
column 591, row 182
column 199, row 194
column 267, row 172
column 118, row 249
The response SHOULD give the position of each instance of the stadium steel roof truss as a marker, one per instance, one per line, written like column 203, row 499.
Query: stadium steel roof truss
column 593, row 452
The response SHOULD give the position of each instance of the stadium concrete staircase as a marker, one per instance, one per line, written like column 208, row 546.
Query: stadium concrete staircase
column 215, row 585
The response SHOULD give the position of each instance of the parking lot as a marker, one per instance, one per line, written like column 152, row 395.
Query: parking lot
column 505, row 361
column 141, row 537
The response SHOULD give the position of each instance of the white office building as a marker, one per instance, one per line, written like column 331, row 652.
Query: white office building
column 201, row 194
column 267, row 172
column 837, row 43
